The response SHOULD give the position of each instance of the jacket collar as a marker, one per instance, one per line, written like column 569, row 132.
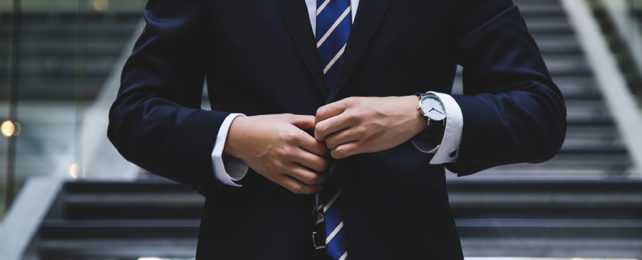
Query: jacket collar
column 295, row 16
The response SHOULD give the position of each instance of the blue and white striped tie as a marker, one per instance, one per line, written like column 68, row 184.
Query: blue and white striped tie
column 330, row 197
column 334, row 20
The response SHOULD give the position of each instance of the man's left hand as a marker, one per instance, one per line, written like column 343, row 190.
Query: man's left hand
column 358, row 125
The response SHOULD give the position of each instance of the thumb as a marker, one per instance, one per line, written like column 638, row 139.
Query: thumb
column 303, row 122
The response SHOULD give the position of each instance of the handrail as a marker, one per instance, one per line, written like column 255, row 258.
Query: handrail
column 99, row 155
column 627, row 27
column 610, row 79
column 23, row 219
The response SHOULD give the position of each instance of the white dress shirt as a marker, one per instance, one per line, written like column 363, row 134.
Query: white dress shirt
column 229, row 170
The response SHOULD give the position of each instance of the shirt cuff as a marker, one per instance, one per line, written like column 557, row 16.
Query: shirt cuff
column 448, row 150
column 228, row 169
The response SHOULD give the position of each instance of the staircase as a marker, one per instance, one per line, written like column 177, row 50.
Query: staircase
column 130, row 220
column 593, row 148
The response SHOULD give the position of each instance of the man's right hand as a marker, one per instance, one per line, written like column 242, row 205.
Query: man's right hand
column 279, row 148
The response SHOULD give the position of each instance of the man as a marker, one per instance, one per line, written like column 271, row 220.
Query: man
column 315, row 109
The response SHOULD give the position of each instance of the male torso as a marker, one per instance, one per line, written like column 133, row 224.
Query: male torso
column 259, row 57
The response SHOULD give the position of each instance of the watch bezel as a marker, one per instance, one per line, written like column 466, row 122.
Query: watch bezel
column 434, row 132
column 425, row 107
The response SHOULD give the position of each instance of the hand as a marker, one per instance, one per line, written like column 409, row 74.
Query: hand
column 368, row 124
column 277, row 147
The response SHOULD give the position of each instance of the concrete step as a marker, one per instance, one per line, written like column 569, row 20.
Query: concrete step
column 560, row 26
column 60, row 67
column 110, row 249
column 93, row 220
column 541, row 11
column 72, row 30
column 559, row 44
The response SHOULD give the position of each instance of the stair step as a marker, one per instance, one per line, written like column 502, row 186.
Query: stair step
column 542, row 228
column 109, row 249
column 552, row 248
column 541, row 11
column 55, row 49
column 49, row 66
column 29, row 17
column 550, row 27
column 115, row 228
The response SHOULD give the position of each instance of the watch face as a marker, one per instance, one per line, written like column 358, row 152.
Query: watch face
column 433, row 108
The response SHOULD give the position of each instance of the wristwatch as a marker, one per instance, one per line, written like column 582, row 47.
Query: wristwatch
column 433, row 109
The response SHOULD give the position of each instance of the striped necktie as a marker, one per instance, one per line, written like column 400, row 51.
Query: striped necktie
column 334, row 20
column 330, row 206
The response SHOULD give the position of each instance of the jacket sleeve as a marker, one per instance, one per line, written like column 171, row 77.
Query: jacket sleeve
column 156, row 121
column 513, row 112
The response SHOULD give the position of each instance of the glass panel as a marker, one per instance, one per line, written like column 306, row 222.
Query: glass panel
column 51, row 72
column 5, row 49
column 67, row 51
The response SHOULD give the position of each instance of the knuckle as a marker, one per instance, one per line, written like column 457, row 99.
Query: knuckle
column 350, row 117
column 281, row 152
column 353, row 117
column 294, row 188
column 330, row 142
column 290, row 137
column 336, row 154
column 278, row 166
column 321, row 111
column 286, row 116
column 312, row 179
column 298, row 189
column 320, row 128
column 351, row 101
column 341, row 152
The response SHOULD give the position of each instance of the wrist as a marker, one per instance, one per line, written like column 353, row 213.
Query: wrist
column 417, row 119
column 233, row 143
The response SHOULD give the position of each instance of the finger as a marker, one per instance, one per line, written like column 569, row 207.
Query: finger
column 349, row 135
column 296, row 186
column 332, row 125
column 305, row 176
column 331, row 110
column 312, row 145
column 346, row 150
column 303, row 122
column 310, row 160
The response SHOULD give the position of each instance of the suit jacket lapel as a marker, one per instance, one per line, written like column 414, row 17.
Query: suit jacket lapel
column 295, row 15
column 369, row 15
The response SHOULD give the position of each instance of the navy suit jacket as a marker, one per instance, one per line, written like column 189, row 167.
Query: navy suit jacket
column 259, row 57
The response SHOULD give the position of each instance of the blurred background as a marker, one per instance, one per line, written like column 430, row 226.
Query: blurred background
column 65, row 193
